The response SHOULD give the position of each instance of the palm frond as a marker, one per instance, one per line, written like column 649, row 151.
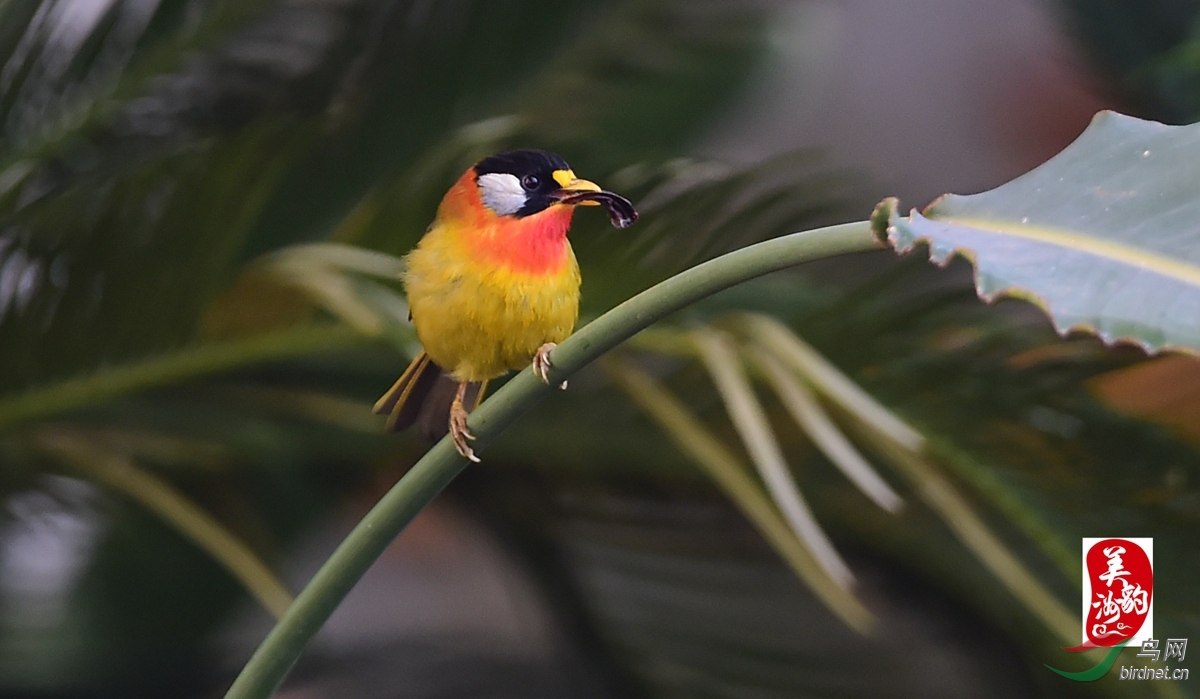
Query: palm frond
column 808, row 414
column 119, row 472
column 748, row 416
column 726, row 470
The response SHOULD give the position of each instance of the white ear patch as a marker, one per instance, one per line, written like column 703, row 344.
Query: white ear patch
column 501, row 192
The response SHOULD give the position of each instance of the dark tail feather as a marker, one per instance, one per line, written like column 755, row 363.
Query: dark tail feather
column 403, row 400
column 422, row 395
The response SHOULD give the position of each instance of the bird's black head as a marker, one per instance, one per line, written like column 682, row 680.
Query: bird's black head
column 521, row 183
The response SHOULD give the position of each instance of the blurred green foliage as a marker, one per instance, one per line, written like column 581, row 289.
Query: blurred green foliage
column 152, row 155
column 1149, row 50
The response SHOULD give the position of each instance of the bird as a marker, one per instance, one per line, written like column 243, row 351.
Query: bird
column 492, row 286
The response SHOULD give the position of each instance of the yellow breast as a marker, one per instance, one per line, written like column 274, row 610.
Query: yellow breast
column 478, row 317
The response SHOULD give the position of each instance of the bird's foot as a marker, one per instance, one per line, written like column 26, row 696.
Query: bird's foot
column 541, row 364
column 459, row 432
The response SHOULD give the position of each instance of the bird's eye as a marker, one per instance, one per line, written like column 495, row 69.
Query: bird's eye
column 530, row 182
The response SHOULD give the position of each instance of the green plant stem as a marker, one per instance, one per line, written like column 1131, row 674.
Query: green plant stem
column 106, row 384
column 279, row 651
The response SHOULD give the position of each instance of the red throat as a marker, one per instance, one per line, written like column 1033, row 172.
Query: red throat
column 535, row 244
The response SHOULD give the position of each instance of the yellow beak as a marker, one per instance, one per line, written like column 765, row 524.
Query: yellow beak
column 571, row 184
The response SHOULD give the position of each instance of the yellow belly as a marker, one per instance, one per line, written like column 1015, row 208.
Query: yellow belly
column 478, row 320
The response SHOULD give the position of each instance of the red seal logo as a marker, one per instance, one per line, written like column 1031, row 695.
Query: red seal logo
column 1121, row 587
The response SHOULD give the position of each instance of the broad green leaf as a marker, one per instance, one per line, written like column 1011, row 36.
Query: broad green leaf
column 1105, row 236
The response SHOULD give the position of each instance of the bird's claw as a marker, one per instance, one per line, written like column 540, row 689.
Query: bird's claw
column 459, row 432
column 541, row 364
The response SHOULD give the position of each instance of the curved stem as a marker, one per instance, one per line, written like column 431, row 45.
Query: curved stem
column 442, row 463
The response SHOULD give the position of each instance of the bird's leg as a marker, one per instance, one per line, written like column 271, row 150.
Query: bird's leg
column 458, row 424
column 541, row 364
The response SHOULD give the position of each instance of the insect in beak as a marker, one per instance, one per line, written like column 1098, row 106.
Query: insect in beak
column 577, row 192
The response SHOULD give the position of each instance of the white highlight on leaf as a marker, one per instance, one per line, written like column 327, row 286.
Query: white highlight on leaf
column 10, row 276
column 46, row 542
column 501, row 192
column 20, row 278
column 30, row 279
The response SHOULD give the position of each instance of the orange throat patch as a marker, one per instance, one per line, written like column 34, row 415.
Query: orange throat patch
column 535, row 245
